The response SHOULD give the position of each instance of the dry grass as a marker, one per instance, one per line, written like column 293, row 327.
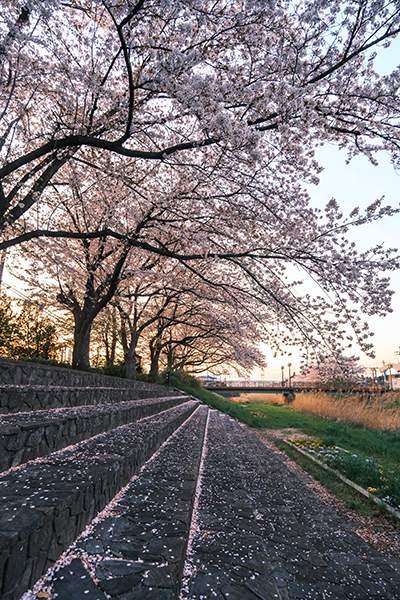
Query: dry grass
column 380, row 412
column 258, row 397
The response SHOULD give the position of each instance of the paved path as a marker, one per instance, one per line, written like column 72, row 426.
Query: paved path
column 214, row 514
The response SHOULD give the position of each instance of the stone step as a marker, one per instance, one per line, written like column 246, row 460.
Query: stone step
column 49, row 502
column 138, row 552
column 214, row 504
column 25, row 398
column 25, row 436
column 226, row 559
column 140, row 549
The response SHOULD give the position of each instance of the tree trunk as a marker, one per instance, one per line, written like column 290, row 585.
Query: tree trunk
column 129, row 348
column 80, row 355
column 113, row 347
column 171, row 359
column 84, row 317
column 154, row 358
column 110, row 348
column 130, row 364
column 114, row 336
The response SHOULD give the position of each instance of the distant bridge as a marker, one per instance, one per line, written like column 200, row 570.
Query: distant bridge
column 235, row 387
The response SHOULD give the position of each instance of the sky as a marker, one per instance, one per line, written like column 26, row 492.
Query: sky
column 359, row 183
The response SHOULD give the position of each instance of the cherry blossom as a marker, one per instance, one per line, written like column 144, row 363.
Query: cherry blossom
column 200, row 123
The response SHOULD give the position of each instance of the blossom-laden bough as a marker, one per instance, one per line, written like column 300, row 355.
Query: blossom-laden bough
column 189, row 129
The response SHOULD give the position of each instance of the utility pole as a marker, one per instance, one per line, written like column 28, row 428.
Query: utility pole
column 2, row 263
column 390, row 377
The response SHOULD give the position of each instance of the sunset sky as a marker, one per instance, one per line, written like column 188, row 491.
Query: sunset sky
column 358, row 184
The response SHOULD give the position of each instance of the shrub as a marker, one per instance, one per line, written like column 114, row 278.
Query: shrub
column 183, row 377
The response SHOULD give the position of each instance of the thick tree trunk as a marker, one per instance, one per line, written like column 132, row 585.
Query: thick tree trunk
column 80, row 355
column 110, row 349
column 171, row 359
column 130, row 364
column 154, row 358
column 129, row 349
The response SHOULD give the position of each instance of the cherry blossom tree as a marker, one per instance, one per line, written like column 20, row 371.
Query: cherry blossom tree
column 141, row 301
column 162, row 82
column 86, row 296
column 195, row 334
column 330, row 368
column 209, row 114
column 81, row 274
column 169, row 312
column 208, row 341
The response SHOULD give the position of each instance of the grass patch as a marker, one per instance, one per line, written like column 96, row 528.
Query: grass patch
column 383, row 446
column 381, row 480
column 353, row 500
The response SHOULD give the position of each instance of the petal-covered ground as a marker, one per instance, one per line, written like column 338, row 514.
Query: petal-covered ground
column 217, row 514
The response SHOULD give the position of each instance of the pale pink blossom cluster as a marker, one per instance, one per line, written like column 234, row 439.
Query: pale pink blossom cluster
column 155, row 139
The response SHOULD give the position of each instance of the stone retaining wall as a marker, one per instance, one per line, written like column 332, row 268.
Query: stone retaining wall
column 26, row 398
column 47, row 505
column 16, row 372
column 24, row 437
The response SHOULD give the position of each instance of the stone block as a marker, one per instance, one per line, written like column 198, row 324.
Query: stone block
column 72, row 430
column 16, row 566
column 17, row 458
column 73, row 581
column 164, row 577
column 16, row 441
column 39, row 540
column 5, row 553
column 120, row 585
column 77, row 506
column 61, row 509
column 22, row 521
column 35, row 437
column 61, row 521
column 17, row 380
column 50, row 435
column 54, row 551
column 38, row 566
